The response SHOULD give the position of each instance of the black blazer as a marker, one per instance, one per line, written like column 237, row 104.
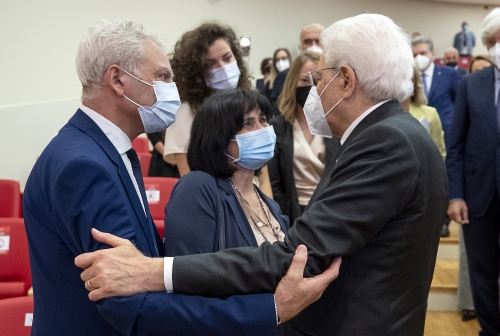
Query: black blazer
column 380, row 206
column 281, row 167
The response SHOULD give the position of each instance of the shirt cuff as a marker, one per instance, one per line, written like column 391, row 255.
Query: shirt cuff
column 456, row 199
column 278, row 320
column 168, row 263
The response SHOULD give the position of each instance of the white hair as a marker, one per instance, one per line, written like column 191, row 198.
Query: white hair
column 378, row 51
column 108, row 43
column 491, row 24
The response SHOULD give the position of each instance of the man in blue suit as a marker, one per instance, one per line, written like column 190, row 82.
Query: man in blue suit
column 440, row 83
column 473, row 165
column 89, row 176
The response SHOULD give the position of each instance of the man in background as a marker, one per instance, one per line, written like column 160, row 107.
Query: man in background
column 465, row 40
column 473, row 165
column 451, row 59
column 440, row 87
column 309, row 40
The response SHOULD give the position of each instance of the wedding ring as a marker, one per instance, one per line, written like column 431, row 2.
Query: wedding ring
column 90, row 286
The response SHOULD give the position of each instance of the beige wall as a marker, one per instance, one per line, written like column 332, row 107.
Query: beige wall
column 39, row 39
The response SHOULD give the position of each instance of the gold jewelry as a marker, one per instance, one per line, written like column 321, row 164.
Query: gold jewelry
column 90, row 286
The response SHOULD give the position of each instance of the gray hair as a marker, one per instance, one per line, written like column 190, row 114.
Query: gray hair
column 491, row 24
column 108, row 43
column 421, row 40
column 378, row 51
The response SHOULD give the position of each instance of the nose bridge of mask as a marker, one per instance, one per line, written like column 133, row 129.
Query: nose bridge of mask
column 253, row 137
column 167, row 94
column 224, row 72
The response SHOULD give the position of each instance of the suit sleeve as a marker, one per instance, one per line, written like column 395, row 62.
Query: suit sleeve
column 80, row 207
column 455, row 83
column 190, row 219
column 456, row 146
column 358, row 200
column 275, row 173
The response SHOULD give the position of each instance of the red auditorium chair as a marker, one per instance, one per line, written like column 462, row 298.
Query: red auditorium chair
column 158, row 190
column 15, row 274
column 141, row 145
column 16, row 316
column 10, row 199
column 145, row 160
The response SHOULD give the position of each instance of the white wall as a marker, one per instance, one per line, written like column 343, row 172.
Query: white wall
column 39, row 87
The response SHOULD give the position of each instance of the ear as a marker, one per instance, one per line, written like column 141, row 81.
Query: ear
column 112, row 78
column 348, row 80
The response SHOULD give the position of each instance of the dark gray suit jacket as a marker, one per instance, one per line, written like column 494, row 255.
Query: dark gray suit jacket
column 380, row 205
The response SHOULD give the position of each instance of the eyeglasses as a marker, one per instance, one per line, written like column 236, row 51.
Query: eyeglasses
column 315, row 76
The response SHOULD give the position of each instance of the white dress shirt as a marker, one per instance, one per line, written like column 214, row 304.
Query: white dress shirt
column 168, row 262
column 429, row 73
column 119, row 139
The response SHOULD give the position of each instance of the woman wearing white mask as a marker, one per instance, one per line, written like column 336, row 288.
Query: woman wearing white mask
column 205, row 60
column 300, row 156
column 281, row 62
column 217, row 206
column 415, row 102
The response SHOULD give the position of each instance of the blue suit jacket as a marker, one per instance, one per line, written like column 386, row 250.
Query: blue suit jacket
column 191, row 216
column 445, row 81
column 80, row 182
column 473, row 159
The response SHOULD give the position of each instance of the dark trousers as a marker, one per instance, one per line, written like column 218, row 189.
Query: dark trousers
column 481, row 237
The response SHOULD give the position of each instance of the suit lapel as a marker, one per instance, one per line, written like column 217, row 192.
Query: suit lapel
column 238, row 213
column 486, row 88
column 83, row 122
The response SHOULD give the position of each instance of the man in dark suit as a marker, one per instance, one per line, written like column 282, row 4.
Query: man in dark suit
column 89, row 176
column 473, row 164
column 378, row 205
column 451, row 59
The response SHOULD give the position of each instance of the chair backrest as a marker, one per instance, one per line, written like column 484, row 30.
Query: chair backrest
column 158, row 190
column 141, row 145
column 160, row 226
column 10, row 199
column 145, row 160
column 14, row 256
column 16, row 316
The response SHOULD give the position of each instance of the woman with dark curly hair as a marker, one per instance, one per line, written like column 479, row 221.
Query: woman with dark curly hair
column 205, row 60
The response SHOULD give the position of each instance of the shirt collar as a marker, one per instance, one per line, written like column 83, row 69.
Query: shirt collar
column 430, row 70
column 117, row 137
column 351, row 128
column 497, row 74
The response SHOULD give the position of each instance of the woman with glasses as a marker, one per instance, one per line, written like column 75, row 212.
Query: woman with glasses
column 300, row 157
column 216, row 205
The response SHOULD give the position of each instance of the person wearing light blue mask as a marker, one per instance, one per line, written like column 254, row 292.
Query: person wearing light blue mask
column 230, row 140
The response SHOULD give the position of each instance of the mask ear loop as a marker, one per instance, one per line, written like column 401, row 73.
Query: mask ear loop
column 328, row 84
column 229, row 156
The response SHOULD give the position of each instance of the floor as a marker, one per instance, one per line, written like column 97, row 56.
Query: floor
column 449, row 324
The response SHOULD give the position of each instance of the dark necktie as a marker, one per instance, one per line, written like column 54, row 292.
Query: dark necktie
column 136, row 169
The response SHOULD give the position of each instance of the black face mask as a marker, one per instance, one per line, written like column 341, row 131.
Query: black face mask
column 301, row 94
column 452, row 64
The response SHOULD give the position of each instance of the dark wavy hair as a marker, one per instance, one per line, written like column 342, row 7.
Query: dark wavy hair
column 189, row 61
column 219, row 119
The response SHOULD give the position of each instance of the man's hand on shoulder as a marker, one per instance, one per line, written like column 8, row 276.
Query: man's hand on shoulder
column 294, row 292
column 119, row 271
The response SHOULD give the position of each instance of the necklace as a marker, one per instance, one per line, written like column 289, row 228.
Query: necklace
column 250, row 212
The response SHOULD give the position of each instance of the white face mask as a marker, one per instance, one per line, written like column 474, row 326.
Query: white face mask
column 282, row 65
column 422, row 62
column 494, row 53
column 224, row 78
column 315, row 48
column 409, row 89
column 315, row 115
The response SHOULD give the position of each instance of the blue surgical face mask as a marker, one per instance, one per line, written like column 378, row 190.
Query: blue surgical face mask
column 256, row 148
column 162, row 114
column 224, row 78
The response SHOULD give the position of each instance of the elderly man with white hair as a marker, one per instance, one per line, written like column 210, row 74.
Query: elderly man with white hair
column 89, row 176
column 379, row 204
column 473, row 165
